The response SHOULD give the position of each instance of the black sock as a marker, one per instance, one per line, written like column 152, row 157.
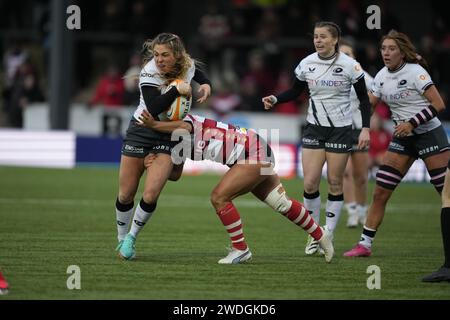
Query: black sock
column 445, row 229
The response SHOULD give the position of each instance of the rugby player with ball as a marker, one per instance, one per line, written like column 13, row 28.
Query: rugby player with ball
column 165, row 61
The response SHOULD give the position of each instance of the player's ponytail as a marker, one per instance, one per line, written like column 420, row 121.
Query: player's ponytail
column 147, row 52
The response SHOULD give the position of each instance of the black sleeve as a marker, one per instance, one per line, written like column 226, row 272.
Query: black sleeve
column 293, row 92
column 200, row 77
column 157, row 102
column 364, row 104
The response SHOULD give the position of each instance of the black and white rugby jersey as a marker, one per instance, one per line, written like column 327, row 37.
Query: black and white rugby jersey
column 329, row 88
column 150, row 76
column 354, row 102
column 402, row 90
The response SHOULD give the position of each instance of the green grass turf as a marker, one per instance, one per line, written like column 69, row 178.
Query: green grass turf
column 50, row 219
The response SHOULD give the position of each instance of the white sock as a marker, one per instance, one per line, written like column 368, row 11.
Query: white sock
column 123, row 223
column 362, row 210
column 139, row 220
column 313, row 205
column 123, row 219
column 349, row 206
column 333, row 209
column 367, row 237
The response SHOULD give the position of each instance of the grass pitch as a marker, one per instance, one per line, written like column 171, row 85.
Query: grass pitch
column 51, row 219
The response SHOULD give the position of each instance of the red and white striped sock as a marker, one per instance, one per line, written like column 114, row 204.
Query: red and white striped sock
column 301, row 217
column 231, row 220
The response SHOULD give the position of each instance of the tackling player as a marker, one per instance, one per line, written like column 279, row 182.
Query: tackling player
column 251, row 170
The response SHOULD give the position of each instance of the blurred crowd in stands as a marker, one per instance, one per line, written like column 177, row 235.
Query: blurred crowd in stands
column 249, row 47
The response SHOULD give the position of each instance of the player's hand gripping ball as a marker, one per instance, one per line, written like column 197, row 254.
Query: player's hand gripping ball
column 181, row 105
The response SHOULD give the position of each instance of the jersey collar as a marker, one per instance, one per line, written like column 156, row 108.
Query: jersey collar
column 328, row 58
column 398, row 69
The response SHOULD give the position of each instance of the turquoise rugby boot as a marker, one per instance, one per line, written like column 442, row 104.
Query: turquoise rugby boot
column 127, row 247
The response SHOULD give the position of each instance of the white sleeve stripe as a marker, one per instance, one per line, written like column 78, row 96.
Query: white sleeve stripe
column 424, row 116
column 427, row 85
column 222, row 125
column 417, row 120
column 148, row 84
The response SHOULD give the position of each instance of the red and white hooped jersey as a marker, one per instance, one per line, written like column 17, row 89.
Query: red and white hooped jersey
column 225, row 143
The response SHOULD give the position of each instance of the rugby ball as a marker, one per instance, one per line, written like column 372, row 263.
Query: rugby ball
column 179, row 107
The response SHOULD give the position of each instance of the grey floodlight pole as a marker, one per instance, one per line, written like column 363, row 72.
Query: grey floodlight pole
column 61, row 56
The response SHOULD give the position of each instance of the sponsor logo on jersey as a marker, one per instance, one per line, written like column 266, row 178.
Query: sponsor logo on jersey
column 423, row 77
column 311, row 69
column 358, row 67
column 428, row 150
column 133, row 149
column 336, row 145
column 243, row 130
column 148, row 75
column 162, row 147
column 398, row 96
column 326, row 83
column 310, row 142
column 401, row 83
column 396, row 146
column 337, row 71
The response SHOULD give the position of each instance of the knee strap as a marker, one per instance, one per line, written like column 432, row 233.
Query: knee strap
column 388, row 177
column 437, row 177
column 277, row 199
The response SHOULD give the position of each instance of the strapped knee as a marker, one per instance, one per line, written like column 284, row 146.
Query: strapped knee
column 388, row 177
column 277, row 199
column 437, row 177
